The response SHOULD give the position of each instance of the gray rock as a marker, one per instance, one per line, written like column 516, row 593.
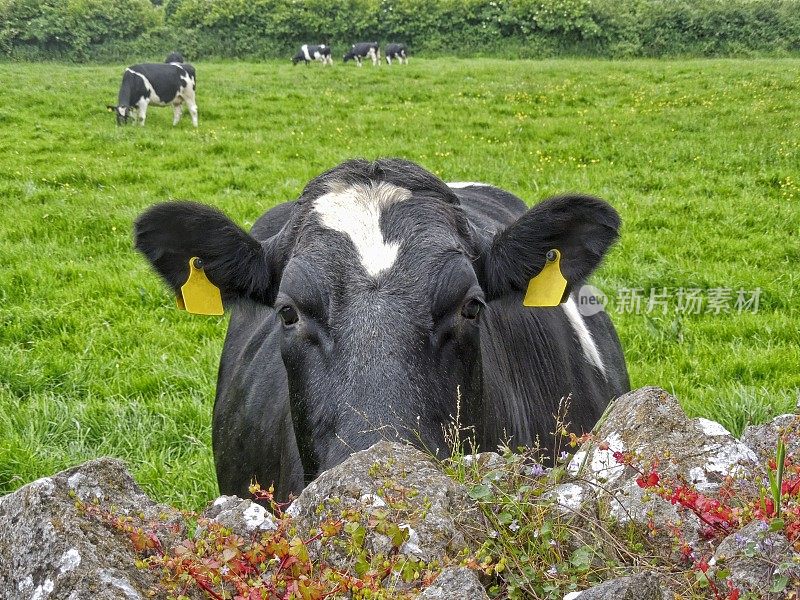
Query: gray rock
column 243, row 517
column 568, row 498
column 644, row 586
column 756, row 558
column 650, row 422
column 763, row 439
column 49, row 550
column 455, row 582
column 409, row 488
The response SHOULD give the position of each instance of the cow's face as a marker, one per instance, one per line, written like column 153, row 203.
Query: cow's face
column 123, row 113
column 379, row 305
column 378, row 282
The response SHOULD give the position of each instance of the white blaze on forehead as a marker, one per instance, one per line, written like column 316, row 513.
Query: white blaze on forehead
column 355, row 210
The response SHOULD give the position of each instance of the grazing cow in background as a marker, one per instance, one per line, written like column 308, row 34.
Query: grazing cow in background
column 307, row 53
column 381, row 304
column 363, row 50
column 397, row 51
column 159, row 84
column 175, row 57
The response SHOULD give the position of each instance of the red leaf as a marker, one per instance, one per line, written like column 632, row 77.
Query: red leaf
column 702, row 564
column 648, row 480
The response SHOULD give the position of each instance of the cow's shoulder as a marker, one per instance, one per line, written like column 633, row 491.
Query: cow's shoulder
column 272, row 221
column 148, row 69
column 189, row 69
column 487, row 204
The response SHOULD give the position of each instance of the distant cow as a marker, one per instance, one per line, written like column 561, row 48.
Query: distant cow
column 159, row 84
column 363, row 50
column 175, row 57
column 307, row 53
column 383, row 303
column 397, row 51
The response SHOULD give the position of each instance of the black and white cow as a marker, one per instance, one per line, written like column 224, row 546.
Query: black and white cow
column 175, row 57
column 159, row 84
column 397, row 51
column 363, row 50
column 380, row 304
column 307, row 53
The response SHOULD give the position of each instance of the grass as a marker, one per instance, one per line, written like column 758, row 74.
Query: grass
column 701, row 158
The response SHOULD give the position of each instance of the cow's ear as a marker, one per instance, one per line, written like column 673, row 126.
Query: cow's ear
column 582, row 228
column 111, row 108
column 170, row 234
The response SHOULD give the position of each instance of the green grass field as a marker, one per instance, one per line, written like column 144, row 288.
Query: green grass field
column 701, row 158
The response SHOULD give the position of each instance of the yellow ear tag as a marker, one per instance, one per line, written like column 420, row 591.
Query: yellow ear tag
column 198, row 295
column 548, row 287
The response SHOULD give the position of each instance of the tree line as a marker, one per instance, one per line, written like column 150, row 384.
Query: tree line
column 118, row 30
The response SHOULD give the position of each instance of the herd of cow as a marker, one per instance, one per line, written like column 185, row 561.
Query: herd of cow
column 174, row 81
column 358, row 52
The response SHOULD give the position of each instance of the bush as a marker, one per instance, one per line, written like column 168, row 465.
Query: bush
column 103, row 29
column 71, row 28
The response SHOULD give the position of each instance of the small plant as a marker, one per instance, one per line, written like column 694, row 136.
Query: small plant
column 778, row 508
column 776, row 476
column 541, row 545
column 282, row 564
column 532, row 548
column 539, row 542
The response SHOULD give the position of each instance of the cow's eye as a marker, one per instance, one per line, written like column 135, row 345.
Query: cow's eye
column 471, row 309
column 289, row 315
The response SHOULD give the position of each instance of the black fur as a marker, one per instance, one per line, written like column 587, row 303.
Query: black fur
column 171, row 234
column 581, row 227
column 174, row 57
column 395, row 51
column 389, row 356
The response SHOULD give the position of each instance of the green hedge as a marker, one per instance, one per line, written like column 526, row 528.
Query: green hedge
column 137, row 29
column 71, row 29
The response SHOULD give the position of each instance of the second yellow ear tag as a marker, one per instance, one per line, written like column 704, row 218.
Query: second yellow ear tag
column 198, row 295
column 547, row 288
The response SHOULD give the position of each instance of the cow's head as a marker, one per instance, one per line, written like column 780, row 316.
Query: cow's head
column 348, row 56
column 378, row 282
column 123, row 113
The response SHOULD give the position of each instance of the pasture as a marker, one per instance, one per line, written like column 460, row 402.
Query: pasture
column 701, row 159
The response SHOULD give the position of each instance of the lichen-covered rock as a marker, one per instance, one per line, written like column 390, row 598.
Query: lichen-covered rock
column 49, row 549
column 757, row 559
column 402, row 486
column 243, row 517
column 568, row 498
column 651, row 423
column 455, row 582
column 763, row 439
column 644, row 586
